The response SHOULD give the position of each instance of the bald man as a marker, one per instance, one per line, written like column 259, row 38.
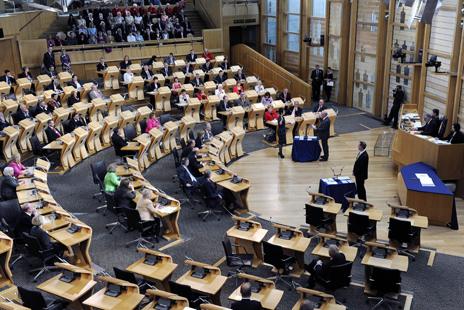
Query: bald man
column 246, row 303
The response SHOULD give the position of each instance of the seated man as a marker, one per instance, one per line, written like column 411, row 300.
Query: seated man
column 9, row 184
column 42, row 236
column 285, row 96
column 456, row 136
column 243, row 101
column 246, row 303
column 119, row 142
column 52, row 132
column 187, row 178
column 319, row 268
column 432, row 125
column 76, row 121
column 128, row 77
column 24, row 220
column 307, row 305
column 319, row 107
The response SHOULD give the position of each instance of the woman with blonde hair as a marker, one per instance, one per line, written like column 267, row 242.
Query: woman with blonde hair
column 147, row 212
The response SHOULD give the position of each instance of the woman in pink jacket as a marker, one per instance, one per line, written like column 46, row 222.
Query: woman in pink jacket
column 152, row 122
column 18, row 168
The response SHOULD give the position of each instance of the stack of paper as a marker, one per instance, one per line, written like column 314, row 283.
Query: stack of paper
column 330, row 181
column 166, row 210
column 425, row 179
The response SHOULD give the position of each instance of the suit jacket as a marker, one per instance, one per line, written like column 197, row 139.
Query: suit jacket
column 48, row 60
column 317, row 76
column 245, row 104
column 337, row 260
column 42, row 236
column 3, row 125
column 118, row 143
column 219, row 80
column 246, row 304
column 284, row 97
column 458, row 138
column 73, row 84
column 23, row 224
column 11, row 80
column 20, row 115
column 239, row 77
column 123, row 198
column 360, row 169
column 196, row 82
column 319, row 109
column 223, row 106
column 183, row 175
column 8, row 189
column 101, row 67
column 323, row 130
column 211, row 189
column 431, row 127
column 191, row 58
column 153, row 86
column 166, row 71
column 52, row 135
column 145, row 74
column 205, row 67
column 186, row 151
column 39, row 109
column 73, row 124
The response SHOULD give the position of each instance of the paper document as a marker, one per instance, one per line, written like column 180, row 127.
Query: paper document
column 330, row 181
column 166, row 210
column 425, row 179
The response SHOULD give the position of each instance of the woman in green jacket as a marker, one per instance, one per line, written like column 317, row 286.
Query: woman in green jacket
column 111, row 181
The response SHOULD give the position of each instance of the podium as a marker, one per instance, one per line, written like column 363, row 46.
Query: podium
column 23, row 84
column 289, row 125
column 136, row 88
column 163, row 99
column 64, row 77
column 251, row 82
column 10, row 138
column 111, row 78
column 209, row 87
column 142, row 114
column 41, row 124
column 251, row 95
column 4, row 89
column 30, row 101
column 224, row 154
column 9, row 107
column 305, row 127
column 186, row 125
column 256, row 117
column 93, row 142
column 43, row 81
column 332, row 116
column 234, row 69
column 193, row 109
column 214, row 73
column 175, row 301
column 277, row 105
column 200, row 73
column 81, row 108
column 79, row 150
column 236, row 148
column 140, row 145
column 97, row 109
column 229, row 85
column 188, row 89
column 235, row 117
column 169, row 137
column 126, row 118
column 136, row 69
column 26, row 129
column 161, row 78
column 210, row 108
column 67, row 91
column 179, row 64
column 154, row 151
column 86, row 88
column 114, row 106
column 157, row 66
column 109, row 123
column 180, row 76
column 59, row 115
column 65, row 145
column 200, row 61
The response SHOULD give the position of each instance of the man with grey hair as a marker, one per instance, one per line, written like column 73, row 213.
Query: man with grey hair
column 307, row 305
column 9, row 184
column 318, row 268
column 322, row 131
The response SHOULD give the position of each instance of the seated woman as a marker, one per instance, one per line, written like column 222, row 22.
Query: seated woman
column 124, row 195
column 267, row 99
column 42, row 236
column 220, row 92
column 148, row 212
column 18, row 167
column 175, row 90
column 239, row 88
column 9, row 184
column 111, row 180
column 152, row 122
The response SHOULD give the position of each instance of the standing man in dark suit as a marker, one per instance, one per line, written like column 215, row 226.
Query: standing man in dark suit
column 48, row 58
column 246, row 303
column 360, row 170
column 398, row 99
column 317, row 77
column 432, row 125
column 281, row 132
column 323, row 132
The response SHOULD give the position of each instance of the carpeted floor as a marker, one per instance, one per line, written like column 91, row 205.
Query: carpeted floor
column 437, row 287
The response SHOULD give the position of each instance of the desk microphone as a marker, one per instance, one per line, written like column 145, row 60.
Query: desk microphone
column 189, row 258
column 336, row 176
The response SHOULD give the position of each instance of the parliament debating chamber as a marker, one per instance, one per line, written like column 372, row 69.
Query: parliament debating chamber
column 232, row 154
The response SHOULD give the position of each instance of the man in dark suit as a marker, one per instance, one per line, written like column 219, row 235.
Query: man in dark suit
column 240, row 76
column 398, row 99
column 9, row 184
column 285, row 96
column 21, row 114
column 360, row 170
column 319, row 107
column 432, row 125
column 8, row 78
column 119, row 142
column 52, row 132
column 24, row 220
column 323, row 132
column 456, row 136
column 211, row 188
column 317, row 77
column 186, row 176
column 76, row 121
column 196, row 82
column 225, row 64
column 192, row 57
column 48, row 58
column 318, row 268
column 223, row 107
column 220, row 78
column 166, row 71
column 207, row 66
column 147, row 74
column 190, row 147
column 41, row 108
column 246, row 303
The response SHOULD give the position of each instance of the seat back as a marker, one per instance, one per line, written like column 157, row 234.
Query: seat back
column 143, row 125
column 181, row 290
column 442, row 128
column 10, row 212
column 386, row 280
column 130, row 132
column 37, row 148
column 227, row 250
column 32, row 299
column 399, row 230
column 314, row 215
column 32, row 244
column 98, row 171
column 124, row 275
column 175, row 155
column 339, row 276
column 133, row 219
column 110, row 204
column 273, row 255
column 183, row 144
column 358, row 223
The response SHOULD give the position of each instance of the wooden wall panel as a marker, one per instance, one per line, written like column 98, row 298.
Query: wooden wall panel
column 460, row 117
column 210, row 11
column 37, row 22
column 213, row 39
column 271, row 73
column 10, row 56
column 31, row 52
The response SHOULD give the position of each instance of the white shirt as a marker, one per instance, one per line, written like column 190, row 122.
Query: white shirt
column 130, row 38
column 259, row 89
column 184, row 99
column 220, row 93
column 192, row 178
column 128, row 77
column 359, row 154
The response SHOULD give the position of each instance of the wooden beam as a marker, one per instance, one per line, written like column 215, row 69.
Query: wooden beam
column 417, row 70
column 344, row 46
column 351, row 53
column 388, row 56
column 423, row 73
column 380, row 59
column 458, row 89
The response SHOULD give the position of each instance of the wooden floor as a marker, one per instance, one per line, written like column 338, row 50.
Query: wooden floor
column 278, row 187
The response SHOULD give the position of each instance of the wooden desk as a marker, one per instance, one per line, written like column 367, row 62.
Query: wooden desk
column 23, row 84
column 209, row 87
column 97, row 108
column 447, row 160
column 85, row 90
column 239, row 191
column 212, row 307
column 186, row 126
column 160, row 272
column 6, row 248
column 305, row 126
column 210, row 285
column 111, row 78
column 249, row 241
column 64, row 78
column 59, row 116
column 109, row 123
column 79, row 150
column 43, row 80
column 26, row 129
column 93, row 142
column 193, row 109
column 210, row 107
column 9, row 107
column 235, row 118
column 256, row 117
column 375, row 215
column 226, row 137
column 169, row 137
column 236, row 148
column 322, row 249
column 82, row 108
column 295, row 246
column 328, row 302
column 4, row 88
column 77, row 244
column 115, row 104
column 136, row 69
column 268, row 295
column 10, row 299
column 65, row 144
column 329, row 207
column 67, row 92
column 128, row 299
column 154, row 150
column 136, row 88
column 9, row 139
column 177, row 302
column 417, row 221
column 162, row 99
column 76, row 291
column 289, row 125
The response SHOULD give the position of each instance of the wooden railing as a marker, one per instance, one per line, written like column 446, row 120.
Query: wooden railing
column 270, row 73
